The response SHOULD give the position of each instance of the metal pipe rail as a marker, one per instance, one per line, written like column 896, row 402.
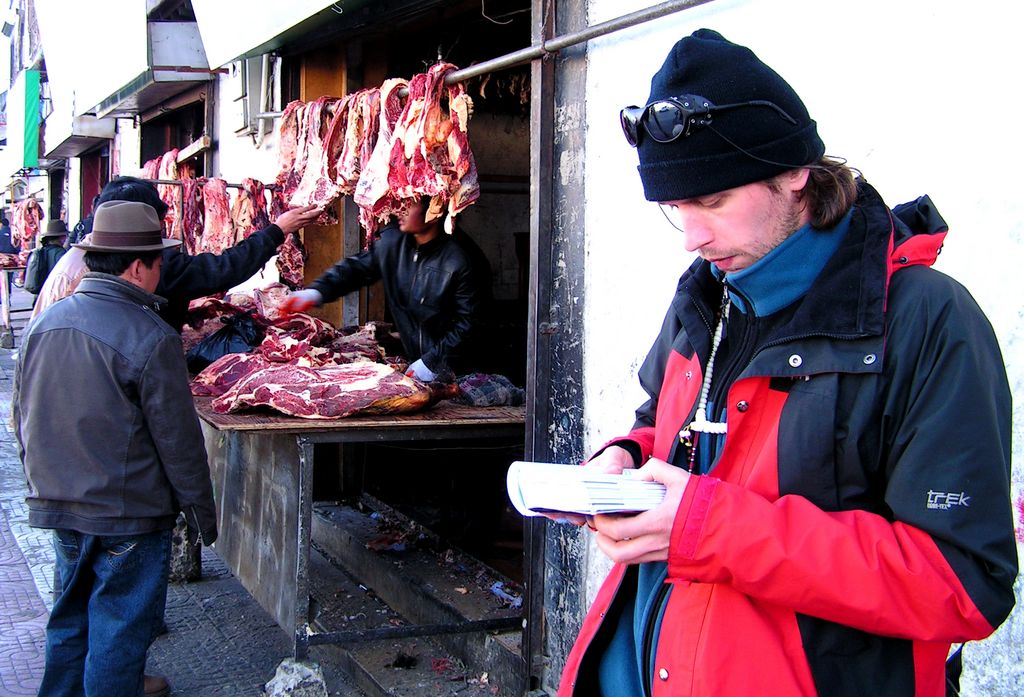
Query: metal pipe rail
column 531, row 53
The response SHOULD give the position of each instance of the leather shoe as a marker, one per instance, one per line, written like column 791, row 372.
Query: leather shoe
column 155, row 686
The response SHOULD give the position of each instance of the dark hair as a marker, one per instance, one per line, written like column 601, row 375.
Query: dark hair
column 134, row 189
column 830, row 192
column 115, row 263
column 425, row 202
column 4, row 221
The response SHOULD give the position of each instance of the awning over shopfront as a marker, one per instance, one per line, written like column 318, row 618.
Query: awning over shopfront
column 114, row 60
column 234, row 29
column 86, row 132
column 178, row 63
column 22, row 151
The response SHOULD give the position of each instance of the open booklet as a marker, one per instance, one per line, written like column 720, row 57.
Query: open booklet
column 543, row 487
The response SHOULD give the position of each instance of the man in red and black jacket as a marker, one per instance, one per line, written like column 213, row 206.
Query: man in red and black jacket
column 830, row 416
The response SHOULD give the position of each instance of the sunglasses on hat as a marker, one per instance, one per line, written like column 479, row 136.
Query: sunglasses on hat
column 667, row 119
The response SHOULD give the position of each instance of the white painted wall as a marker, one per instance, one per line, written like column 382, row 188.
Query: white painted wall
column 126, row 153
column 915, row 94
column 237, row 157
column 73, row 189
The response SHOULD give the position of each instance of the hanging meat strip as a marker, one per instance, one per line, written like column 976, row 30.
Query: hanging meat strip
column 151, row 170
column 430, row 155
column 249, row 211
column 372, row 194
column 192, row 215
column 464, row 186
column 291, row 261
column 291, row 256
column 169, row 193
column 361, row 127
column 25, row 225
column 218, row 231
column 334, row 141
column 316, row 187
column 288, row 145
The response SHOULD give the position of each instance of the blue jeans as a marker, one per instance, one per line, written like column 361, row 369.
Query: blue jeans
column 108, row 612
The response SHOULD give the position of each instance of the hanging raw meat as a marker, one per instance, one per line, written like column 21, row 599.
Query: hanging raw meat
column 291, row 261
column 316, row 187
column 292, row 121
column 25, row 225
column 192, row 215
column 278, row 203
column 291, row 256
column 218, row 231
column 361, row 129
column 170, row 193
column 151, row 170
column 334, row 141
column 430, row 155
column 465, row 184
column 372, row 193
column 249, row 211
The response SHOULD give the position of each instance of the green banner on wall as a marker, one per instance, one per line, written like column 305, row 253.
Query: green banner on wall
column 31, row 143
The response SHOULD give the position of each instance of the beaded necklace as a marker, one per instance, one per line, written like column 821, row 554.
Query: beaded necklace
column 700, row 423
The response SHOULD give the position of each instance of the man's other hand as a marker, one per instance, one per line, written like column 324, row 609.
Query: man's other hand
column 301, row 300
column 297, row 218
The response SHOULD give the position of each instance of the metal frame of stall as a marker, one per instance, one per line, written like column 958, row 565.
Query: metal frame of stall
column 263, row 478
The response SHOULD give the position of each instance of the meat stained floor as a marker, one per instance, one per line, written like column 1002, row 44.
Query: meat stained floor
column 396, row 560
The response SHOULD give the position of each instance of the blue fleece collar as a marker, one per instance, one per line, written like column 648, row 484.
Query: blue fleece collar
column 785, row 274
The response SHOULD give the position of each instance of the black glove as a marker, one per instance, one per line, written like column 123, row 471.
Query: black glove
column 201, row 526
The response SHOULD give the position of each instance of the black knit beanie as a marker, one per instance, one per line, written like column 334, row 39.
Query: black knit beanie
column 705, row 64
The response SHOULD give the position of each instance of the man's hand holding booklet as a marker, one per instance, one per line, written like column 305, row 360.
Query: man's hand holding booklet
column 536, row 488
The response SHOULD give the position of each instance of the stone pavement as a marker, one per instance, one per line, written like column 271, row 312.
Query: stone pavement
column 220, row 642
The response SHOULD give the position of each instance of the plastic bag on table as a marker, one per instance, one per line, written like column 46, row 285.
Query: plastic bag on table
column 240, row 334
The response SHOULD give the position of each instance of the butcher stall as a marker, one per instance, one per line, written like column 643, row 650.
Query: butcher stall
column 262, row 468
column 285, row 397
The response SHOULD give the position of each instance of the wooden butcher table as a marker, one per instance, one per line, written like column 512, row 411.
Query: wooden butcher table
column 262, row 470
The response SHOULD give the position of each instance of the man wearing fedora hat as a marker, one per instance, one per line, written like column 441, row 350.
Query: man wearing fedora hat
column 112, row 451
column 46, row 256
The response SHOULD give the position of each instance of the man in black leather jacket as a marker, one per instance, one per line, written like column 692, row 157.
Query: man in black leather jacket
column 112, row 451
column 437, row 287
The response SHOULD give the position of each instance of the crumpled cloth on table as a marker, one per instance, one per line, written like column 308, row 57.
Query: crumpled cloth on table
column 486, row 390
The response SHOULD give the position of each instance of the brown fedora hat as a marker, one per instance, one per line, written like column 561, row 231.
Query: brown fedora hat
column 54, row 228
column 126, row 226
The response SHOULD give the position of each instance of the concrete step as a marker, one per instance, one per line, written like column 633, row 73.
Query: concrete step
column 425, row 583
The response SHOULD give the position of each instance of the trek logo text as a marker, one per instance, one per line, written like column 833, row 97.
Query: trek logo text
column 942, row 501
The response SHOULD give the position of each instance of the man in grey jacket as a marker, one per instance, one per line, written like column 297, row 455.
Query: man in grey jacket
column 112, row 451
